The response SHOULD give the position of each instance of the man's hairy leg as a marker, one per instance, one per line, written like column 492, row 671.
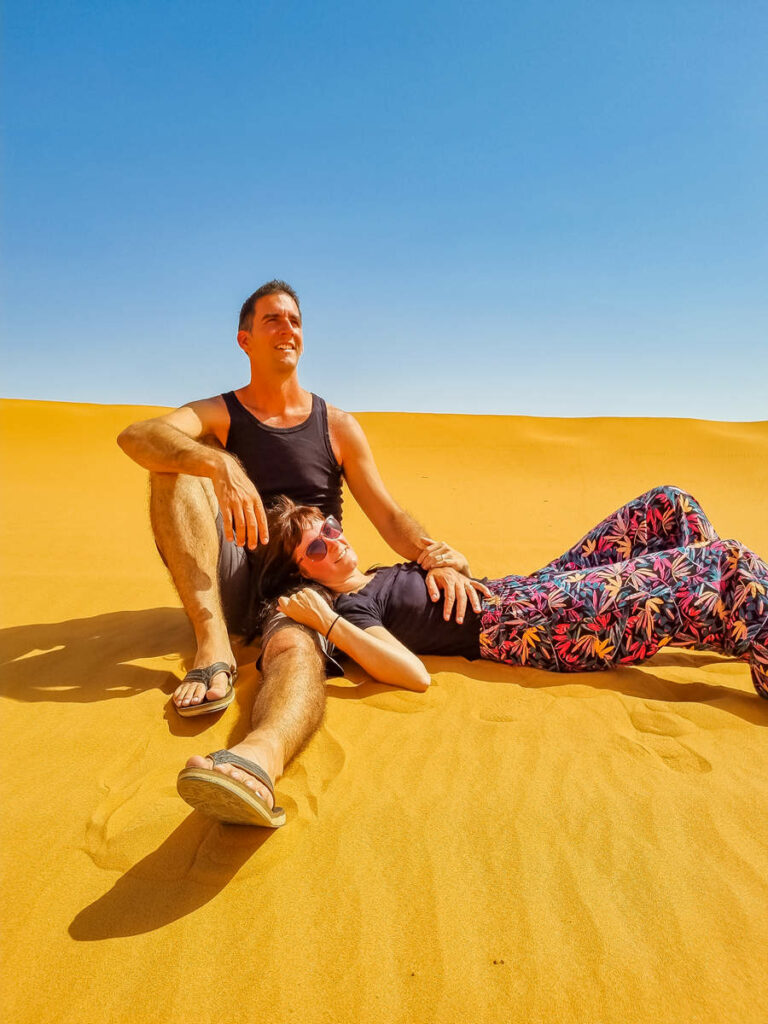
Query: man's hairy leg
column 288, row 708
column 183, row 512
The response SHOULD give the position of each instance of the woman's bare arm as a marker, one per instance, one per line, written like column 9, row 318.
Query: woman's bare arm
column 381, row 655
column 374, row 649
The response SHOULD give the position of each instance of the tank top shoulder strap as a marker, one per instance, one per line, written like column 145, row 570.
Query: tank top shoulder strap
column 320, row 413
column 234, row 408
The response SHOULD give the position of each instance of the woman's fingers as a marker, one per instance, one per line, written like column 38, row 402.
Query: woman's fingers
column 458, row 590
column 461, row 602
column 464, row 591
column 474, row 600
column 450, row 600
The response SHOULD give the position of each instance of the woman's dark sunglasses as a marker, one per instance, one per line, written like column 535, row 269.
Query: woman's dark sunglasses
column 318, row 549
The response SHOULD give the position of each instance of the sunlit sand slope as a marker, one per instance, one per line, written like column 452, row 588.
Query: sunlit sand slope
column 510, row 846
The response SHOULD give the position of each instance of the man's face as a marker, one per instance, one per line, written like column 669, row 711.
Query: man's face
column 275, row 340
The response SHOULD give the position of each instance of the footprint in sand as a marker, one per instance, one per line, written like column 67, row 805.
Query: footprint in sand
column 142, row 824
column 660, row 732
column 313, row 774
column 522, row 709
column 136, row 815
column 404, row 702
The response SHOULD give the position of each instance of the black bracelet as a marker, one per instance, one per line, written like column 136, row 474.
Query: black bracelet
column 331, row 626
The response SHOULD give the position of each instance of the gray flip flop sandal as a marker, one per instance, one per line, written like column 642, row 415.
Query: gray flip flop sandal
column 205, row 676
column 226, row 799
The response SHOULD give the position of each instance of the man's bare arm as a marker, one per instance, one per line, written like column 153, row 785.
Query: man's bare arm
column 175, row 443
column 449, row 573
column 398, row 528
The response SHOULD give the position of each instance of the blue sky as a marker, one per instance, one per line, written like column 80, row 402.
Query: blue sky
column 544, row 208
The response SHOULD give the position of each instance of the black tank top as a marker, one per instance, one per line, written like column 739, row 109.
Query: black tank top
column 297, row 461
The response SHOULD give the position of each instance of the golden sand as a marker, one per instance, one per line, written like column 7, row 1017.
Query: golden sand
column 510, row 846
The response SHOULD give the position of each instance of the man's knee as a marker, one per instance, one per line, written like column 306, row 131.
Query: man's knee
column 181, row 490
column 179, row 484
column 666, row 491
column 295, row 639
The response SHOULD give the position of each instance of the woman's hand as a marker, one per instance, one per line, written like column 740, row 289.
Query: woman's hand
column 436, row 554
column 458, row 590
column 309, row 608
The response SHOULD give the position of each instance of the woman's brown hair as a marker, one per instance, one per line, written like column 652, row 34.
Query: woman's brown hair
column 275, row 572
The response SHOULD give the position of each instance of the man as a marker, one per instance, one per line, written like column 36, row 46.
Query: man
column 214, row 466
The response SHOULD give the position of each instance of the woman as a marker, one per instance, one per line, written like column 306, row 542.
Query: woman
column 653, row 574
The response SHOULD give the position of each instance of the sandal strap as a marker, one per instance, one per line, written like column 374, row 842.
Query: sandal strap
column 205, row 675
column 227, row 757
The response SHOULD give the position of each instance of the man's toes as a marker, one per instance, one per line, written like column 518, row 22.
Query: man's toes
column 218, row 686
column 247, row 780
column 196, row 761
column 181, row 694
column 194, row 693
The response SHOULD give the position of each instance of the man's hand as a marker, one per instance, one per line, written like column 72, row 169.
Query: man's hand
column 191, row 440
column 309, row 608
column 245, row 520
column 436, row 554
column 458, row 589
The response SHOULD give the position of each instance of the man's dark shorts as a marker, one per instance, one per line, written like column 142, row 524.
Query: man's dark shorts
column 237, row 575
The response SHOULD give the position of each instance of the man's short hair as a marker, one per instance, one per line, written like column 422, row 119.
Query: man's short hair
column 275, row 287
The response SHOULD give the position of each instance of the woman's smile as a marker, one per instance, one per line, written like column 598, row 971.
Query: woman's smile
column 337, row 568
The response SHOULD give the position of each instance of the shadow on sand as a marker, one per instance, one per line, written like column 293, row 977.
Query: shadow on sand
column 648, row 683
column 196, row 861
column 86, row 660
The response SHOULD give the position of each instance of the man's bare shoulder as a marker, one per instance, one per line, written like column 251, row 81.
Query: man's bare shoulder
column 204, row 417
column 342, row 421
column 215, row 407
column 208, row 417
column 347, row 436
column 342, row 425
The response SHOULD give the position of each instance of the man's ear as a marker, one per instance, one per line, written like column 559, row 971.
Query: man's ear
column 244, row 340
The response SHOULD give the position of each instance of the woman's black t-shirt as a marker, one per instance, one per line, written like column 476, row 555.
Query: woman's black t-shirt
column 397, row 598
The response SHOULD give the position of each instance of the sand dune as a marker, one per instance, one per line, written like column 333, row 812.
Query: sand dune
column 510, row 846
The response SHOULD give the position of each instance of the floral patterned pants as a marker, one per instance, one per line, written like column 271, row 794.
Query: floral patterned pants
column 653, row 574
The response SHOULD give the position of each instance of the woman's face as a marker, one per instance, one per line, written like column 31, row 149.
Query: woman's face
column 336, row 564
